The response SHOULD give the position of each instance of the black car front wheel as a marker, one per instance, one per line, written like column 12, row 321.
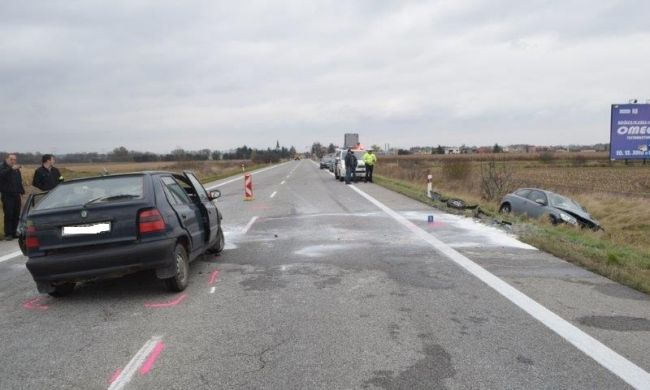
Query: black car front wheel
column 179, row 281
column 505, row 208
column 220, row 244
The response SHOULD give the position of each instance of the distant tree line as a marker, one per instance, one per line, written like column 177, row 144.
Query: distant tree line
column 260, row 155
column 122, row 154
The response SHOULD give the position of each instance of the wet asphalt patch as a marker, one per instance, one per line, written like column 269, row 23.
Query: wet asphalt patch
column 618, row 323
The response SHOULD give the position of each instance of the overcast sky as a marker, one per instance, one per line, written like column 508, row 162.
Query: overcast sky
column 90, row 76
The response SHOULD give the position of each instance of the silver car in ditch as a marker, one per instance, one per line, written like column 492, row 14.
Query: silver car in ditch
column 538, row 203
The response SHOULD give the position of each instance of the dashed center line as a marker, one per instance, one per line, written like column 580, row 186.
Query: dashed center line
column 283, row 181
column 273, row 194
column 249, row 225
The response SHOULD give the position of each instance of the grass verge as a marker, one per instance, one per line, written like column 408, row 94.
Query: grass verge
column 592, row 250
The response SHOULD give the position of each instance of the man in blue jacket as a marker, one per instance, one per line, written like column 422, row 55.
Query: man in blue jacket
column 11, row 186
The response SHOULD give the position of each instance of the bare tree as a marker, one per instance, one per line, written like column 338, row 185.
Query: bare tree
column 496, row 180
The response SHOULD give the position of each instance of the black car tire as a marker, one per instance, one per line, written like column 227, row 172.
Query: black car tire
column 505, row 208
column 220, row 244
column 554, row 220
column 63, row 289
column 179, row 281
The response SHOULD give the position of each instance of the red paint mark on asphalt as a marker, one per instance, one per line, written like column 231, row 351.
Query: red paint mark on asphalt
column 167, row 304
column 151, row 359
column 436, row 224
column 115, row 375
column 34, row 304
column 213, row 277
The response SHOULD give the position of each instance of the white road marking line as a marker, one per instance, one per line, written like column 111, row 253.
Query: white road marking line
column 273, row 194
column 10, row 256
column 634, row 375
column 134, row 364
column 283, row 181
column 249, row 225
column 213, row 289
column 241, row 177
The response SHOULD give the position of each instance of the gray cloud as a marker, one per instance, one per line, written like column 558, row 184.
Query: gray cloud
column 156, row 75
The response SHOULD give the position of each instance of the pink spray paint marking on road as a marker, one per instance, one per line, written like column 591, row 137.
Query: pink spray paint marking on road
column 261, row 207
column 115, row 375
column 213, row 277
column 151, row 359
column 167, row 304
column 34, row 304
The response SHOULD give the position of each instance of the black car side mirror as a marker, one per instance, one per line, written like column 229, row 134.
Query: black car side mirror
column 216, row 194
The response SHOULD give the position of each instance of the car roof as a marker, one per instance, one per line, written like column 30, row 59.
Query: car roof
column 534, row 189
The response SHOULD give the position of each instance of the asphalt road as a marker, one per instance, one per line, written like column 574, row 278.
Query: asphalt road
column 324, row 285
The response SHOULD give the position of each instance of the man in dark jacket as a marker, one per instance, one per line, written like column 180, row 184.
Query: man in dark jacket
column 350, row 166
column 47, row 176
column 11, row 185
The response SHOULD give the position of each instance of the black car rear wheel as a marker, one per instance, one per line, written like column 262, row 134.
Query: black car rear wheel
column 63, row 289
column 179, row 281
column 505, row 208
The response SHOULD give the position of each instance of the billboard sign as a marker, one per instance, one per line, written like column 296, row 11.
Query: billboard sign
column 630, row 132
column 351, row 140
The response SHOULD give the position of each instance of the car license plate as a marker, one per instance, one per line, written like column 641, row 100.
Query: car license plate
column 95, row 228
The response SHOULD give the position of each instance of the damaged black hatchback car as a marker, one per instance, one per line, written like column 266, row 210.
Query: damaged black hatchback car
column 109, row 226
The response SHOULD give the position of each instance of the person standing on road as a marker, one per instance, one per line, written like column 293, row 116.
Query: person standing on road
column 350, row 166
column 47, row 176
column 11, row 186
column 370, row 160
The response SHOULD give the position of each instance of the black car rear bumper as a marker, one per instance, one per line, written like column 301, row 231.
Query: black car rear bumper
column 100, row 263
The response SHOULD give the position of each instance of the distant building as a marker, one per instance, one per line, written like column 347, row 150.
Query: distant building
column 521, row 148
column 452, row 150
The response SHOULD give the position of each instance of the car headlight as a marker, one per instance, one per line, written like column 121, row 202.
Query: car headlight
column 568, row 218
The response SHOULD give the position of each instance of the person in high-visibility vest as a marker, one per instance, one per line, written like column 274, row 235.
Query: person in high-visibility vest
column 370, row 160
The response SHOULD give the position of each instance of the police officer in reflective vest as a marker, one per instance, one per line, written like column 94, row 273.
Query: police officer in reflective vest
column 370, row 160
column 47, row 176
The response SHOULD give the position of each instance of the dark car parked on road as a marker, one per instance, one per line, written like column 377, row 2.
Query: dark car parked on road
column 537, row 203
column 109, row 226
column 325, row 162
